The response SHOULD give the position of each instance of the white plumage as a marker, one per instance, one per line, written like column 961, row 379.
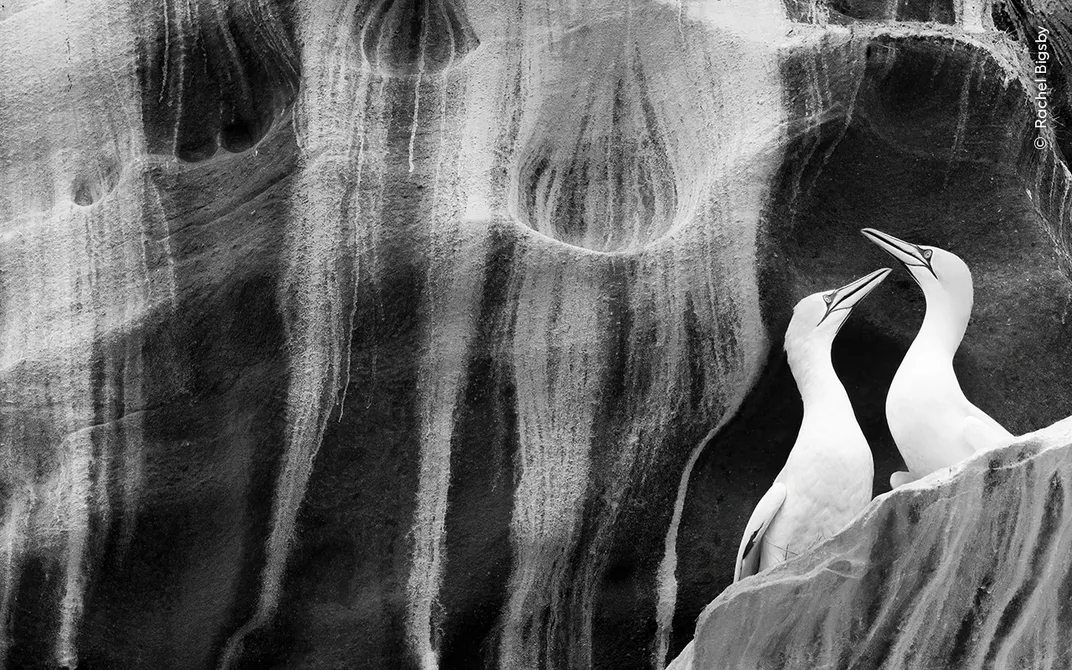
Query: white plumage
column 932, row 422
column 829, row 474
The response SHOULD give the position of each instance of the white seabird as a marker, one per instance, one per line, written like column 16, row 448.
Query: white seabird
column 931, row 421
column 829, row 474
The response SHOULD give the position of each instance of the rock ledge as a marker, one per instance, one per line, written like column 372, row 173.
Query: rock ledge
column 970, row 567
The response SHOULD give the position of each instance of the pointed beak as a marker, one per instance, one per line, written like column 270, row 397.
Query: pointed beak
column 847, row 297
column 910, row 255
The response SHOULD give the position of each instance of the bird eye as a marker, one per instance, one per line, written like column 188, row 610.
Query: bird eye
column 927, row 254
column 828, row 298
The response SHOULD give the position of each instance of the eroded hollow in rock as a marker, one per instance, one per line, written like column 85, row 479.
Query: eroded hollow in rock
column 214, row 77
column 405, row 37
column 96, row 181
column 240, row 135
column 597, row 174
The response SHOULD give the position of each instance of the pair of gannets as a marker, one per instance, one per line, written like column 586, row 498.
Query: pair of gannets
column 827, row 479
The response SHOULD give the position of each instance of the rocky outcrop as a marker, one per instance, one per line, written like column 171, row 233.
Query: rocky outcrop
column 968, row 568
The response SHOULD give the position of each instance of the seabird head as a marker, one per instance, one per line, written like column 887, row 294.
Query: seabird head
column 818, row 317
column 945, row 279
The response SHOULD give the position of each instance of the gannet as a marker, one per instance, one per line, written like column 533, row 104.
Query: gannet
column 828, row 476
column 931, row 421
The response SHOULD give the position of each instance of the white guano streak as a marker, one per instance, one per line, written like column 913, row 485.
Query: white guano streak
column 744, row 134
column 457, row 241
column 333, row 134
column 453, row 287
column 558, row 363
column 77, row 285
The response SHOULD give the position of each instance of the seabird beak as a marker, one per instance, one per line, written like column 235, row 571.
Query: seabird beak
column 910, row 255
column 845, row 298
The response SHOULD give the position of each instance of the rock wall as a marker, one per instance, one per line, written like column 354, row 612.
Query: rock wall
column 446, row 334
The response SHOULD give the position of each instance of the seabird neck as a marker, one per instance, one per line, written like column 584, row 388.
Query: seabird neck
column 816, row 380
column 943, row 326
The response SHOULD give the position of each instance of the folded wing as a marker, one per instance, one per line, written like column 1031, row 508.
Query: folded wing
column 762, row 516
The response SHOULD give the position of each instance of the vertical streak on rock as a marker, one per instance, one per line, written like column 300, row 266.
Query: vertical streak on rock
column 664, row 614
column 892, row 6
column 719, row 239
column 84, row 263
column 422, row 46
column 74, row 488
column 457, row 241
column 1063, row 209
column 559, row 358
column 144, row 268
column 1023, row 606
column 454, row 281
column 921, row 628
column 156, row 236
column 457, row 254
column 103, row 445
column 973, row 15
column 855, row 55
column 329, row 252
column 64, row 260
column 814, row 105
column 112, row 277
column 14, row 534
column 727, row 304
column 964, row 108
column 85, row 287
column 132, row 441
column 183, row 13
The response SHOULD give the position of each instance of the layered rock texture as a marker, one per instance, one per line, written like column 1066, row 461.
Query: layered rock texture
column 968, row 568
column 446, row 334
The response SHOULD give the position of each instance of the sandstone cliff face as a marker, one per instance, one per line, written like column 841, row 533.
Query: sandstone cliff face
column 968, row 568
column 446, row 334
